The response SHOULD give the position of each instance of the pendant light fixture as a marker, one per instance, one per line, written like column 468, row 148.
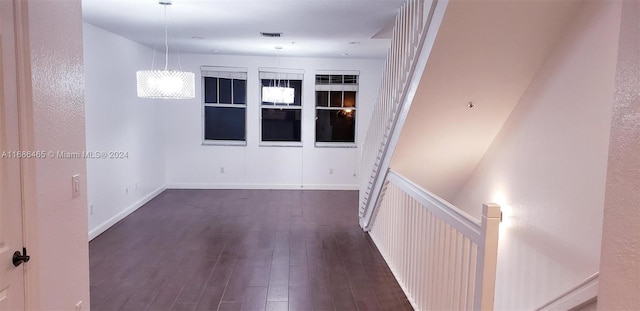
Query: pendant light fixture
column 165, row 84
column 278, row 93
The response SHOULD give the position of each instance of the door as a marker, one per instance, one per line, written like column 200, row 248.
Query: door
column 11, row 277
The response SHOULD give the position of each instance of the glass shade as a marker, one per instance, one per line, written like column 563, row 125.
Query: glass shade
column 167, row 84
column 278, row 94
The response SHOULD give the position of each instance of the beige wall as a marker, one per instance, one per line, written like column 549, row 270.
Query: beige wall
column 620, row 261
column 58, row 274
column 547, row 167
column 487, row 52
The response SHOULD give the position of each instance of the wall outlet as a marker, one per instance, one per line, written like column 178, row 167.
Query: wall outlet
column 330, row 171
column 91, row 209
column 222, row 170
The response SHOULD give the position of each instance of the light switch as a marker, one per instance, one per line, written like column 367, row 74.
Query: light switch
column 75, row 186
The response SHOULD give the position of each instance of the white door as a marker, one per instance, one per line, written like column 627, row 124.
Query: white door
column 11, row 277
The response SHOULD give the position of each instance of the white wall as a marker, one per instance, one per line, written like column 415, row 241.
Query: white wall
column 192, row 165
column 547, row 167
column 442, row 141
column 117, row 120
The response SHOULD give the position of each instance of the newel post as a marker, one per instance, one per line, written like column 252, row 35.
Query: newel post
column 487, row 258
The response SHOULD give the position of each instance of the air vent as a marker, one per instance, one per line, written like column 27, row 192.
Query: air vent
column 271, row 34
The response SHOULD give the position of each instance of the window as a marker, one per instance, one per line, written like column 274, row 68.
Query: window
column 281, row 123
column 224, row 105
column 336, row 96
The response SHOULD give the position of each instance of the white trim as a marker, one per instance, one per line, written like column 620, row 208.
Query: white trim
column 126, row 212
column 436, row 12
column 577, row 296
column 225, row 105
column 338, row 72
column 337, row 87
column 335, row 108
column 280, row 107
column 457, row 218
column 29, row 207
column 396, row 275
column 294, row 144
column 238, row 75
column 222, row 68
column 212, row 186
column 336, row 145
column 299, row 72
column 210, row 142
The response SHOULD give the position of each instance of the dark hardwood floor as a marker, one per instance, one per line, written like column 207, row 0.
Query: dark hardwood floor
column 242, row 250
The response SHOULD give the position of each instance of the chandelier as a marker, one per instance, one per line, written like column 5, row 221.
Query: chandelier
column 165, row 84
column 278, row 93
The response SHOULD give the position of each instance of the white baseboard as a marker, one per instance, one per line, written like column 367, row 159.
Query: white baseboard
column 262, row 186
column 395, row 273
column 126, row 212
column 584, row 292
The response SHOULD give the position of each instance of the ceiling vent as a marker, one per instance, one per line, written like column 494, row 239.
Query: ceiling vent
column 271, row 34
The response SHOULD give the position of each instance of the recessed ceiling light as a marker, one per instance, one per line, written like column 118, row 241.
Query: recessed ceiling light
column 197, row 38
column 278, row 48
column 471, row 105
column 214, row 51
column 344, row 54
column 354, row 42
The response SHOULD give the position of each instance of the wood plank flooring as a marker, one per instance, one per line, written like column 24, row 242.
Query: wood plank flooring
column 242, row 250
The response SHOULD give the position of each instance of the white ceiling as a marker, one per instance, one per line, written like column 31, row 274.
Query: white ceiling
column 486, row 52
column 311, row 28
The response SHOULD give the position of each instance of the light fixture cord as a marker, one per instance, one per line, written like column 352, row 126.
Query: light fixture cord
column 175, row 39
column 278, row 73
column 166, row 40
column 153, row 57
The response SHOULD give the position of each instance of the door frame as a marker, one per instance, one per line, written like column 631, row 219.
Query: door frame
column 26, row 141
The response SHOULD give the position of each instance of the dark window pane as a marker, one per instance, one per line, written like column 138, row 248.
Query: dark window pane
column 350, row 79
column 322, row 79
column 322, row 98
column 280, row 124
column 224, row 123
column 210, row 90
column 336, row 79
column 349, row 99
column 239, row 91
column 297, row 86
column 335, row 125
column 336, row 99
column 225, row 91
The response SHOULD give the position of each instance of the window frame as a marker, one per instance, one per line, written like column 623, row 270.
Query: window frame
column 282, row 74
column 210, row 72
column 342, row 88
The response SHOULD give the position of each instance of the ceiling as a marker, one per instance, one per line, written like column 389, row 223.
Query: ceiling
column 486, row 52
column 311, row 28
